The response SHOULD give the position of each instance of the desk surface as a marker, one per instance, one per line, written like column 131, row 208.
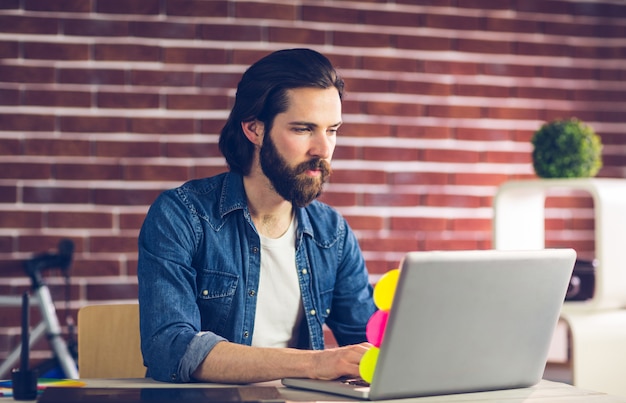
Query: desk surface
column 543, row 392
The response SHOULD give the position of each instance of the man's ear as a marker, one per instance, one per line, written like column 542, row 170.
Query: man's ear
column 253, row 131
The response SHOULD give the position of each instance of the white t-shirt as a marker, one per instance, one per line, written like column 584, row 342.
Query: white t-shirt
column 279, row 303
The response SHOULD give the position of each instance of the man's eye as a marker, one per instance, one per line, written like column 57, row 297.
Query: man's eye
column 302, row 129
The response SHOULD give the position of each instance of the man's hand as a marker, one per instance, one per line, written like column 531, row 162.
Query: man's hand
column 336, row 362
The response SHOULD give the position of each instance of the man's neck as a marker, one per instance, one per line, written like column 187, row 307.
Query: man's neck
column 270, row 213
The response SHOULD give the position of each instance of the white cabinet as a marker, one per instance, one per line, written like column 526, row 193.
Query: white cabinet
column 595, row 336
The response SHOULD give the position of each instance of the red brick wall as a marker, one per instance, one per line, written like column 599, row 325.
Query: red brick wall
column 105, row 103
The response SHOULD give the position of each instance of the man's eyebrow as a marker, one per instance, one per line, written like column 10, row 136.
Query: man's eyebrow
column 311, row 124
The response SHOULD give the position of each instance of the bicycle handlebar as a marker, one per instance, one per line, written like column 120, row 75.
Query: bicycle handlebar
column 61, row 260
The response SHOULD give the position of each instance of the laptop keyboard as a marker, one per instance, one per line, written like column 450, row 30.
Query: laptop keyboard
column 354, row 381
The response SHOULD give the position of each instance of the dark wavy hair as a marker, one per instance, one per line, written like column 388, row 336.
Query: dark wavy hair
column 262, row 94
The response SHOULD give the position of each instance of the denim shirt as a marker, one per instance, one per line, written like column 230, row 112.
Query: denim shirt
column 198, row 272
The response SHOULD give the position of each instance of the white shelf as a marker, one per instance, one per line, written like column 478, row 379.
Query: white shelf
column 519, row 223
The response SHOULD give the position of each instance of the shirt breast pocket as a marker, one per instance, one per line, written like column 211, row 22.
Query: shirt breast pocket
column 216, row 291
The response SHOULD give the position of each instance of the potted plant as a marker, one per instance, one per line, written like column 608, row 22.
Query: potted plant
column 566, row 149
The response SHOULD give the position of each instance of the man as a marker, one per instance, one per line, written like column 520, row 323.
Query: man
column 239, row 272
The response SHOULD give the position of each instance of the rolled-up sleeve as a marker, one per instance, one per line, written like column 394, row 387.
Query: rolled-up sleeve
column 172, row 343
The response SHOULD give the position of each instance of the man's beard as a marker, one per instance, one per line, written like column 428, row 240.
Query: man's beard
column 293, row 184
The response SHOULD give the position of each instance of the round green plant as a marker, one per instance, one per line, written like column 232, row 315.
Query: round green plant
column 566, row 149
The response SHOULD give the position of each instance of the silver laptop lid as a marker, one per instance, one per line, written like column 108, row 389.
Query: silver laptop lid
column 465, row 321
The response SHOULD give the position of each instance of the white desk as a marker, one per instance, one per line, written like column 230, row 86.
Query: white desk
column 544, row 392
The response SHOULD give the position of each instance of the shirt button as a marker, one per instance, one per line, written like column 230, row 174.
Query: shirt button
column 312, row 312
column 246, row 334
column 327, row 311
column 255, row 250
column 251, row 293
column 205, row 292
column 304, row 271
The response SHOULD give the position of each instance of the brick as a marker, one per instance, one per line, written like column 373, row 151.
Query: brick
column 514, row 113
column 10, row 147
column 156, row 173
column 447, row 155
column 445, row 67
column 162, row 126
column 424, row 88
column 10, row 4
column 401, row 244
column 543, row 49
column 161, row 78
column 202, row 171
column 29, row 25
column 395, row 18
column 338, row 199
column 71, row 6
column 151, row 29
column 104, row 292
column 261, row 11
column 463, row 133
column 115, row 52
column 55, row 51
column 145, row 7
column 420, row 178
column 91, row 76
column 390, row 154
column 93, row 27
column 362, row 39
column 60, row 195
column 484, row 46
column 231, row 32
column 517, row 25
column 330, row 14
column 454, row 110
column 392, row 198
column 298, row 35
column 88, row 124
column 365, row 222
column 363, row 176
column 196, row 102
column 544, row 6
column 199, row 56
column 26, row 74
column 192, row 150
column 93, row 171
column 423, row 132
column 8, row 194
column 390, row 64
column 446, row 21
column 366, row 130
column 194, row 8
column 132, row 221
column 21, row 219
column 128, row 149
column 57, row 98
column 9, row 50
column 88, row 220
column 127, row 100
column 90, row 268
column 393, row 109
column 113, row 244
column 219, row 80
column 509, row 70
column 24, row 170
column 418, row 224
column 56, row 147
column 23, row 122
column 124, row 197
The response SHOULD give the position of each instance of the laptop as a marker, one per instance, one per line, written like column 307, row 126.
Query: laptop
column 465, row 321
